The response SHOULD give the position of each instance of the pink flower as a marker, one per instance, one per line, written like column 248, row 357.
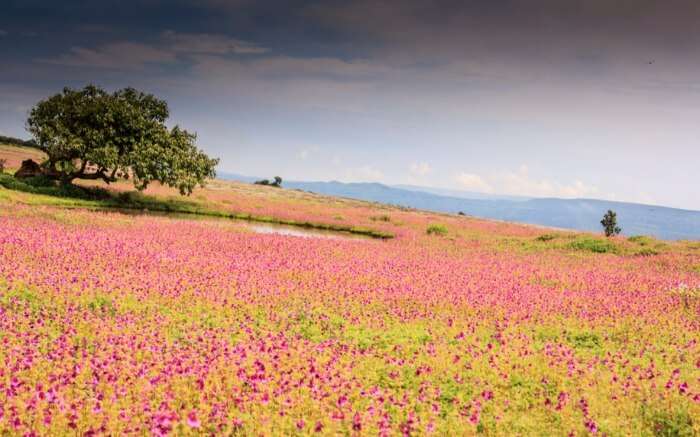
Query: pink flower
column 192, row 420
column 357, row 422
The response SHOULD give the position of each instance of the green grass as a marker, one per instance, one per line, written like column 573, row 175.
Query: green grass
column 595, row 245
column 73, row 196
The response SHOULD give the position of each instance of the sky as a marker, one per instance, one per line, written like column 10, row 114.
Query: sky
column 543, row 98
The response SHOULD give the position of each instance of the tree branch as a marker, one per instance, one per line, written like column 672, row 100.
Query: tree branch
column 100, row 174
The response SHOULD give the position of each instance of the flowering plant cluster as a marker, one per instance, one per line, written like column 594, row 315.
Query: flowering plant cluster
column 114, row 324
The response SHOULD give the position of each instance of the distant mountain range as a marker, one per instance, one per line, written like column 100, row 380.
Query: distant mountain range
column 579, row 214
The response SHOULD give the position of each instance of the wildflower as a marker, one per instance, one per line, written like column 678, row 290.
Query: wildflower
column 192, row 420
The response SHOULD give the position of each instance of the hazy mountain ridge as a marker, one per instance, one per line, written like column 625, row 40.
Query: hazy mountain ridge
column 579, row 214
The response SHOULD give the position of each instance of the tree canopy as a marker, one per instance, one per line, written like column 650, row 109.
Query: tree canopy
column 93, row 134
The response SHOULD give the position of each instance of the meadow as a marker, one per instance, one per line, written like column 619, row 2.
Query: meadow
column 114, row 323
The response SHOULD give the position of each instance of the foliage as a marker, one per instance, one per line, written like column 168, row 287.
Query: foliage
column 609, row 223
column 3, row 162
column 92, row 134
column 436, row 229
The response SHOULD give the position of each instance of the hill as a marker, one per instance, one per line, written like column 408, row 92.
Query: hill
column 577, row 214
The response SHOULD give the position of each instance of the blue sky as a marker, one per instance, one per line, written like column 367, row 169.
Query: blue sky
column 536, row 98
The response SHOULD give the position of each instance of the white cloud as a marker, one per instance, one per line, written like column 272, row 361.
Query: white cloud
column 520, row 182
column 473, row 182
column 366, row 173
column 420, row 169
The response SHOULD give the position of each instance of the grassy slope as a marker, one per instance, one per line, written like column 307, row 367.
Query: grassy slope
column 161, row 199
column 14, row 155
column 236, row 200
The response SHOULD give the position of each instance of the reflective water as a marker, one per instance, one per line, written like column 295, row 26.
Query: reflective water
column 296, row 231
column 258, row 227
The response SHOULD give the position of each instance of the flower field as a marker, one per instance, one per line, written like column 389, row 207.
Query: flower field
column 115, row 324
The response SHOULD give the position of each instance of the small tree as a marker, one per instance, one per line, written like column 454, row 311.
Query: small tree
column 277, row 182
column 92, row 134
column 609, row 223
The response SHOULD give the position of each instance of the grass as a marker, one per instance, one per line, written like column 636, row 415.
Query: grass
column 595, row 245
column 662, row 422
column 638, row 245
column 584, row 243
column 96, row 198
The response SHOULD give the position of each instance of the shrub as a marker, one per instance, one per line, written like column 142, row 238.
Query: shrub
column 2, row 165
column 276, row 182
column 380, row 218
column 546, row 237
column 647, row 251
column 436, row 229
column 593, row 245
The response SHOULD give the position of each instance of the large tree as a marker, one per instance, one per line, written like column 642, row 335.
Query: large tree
column 93, row 134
